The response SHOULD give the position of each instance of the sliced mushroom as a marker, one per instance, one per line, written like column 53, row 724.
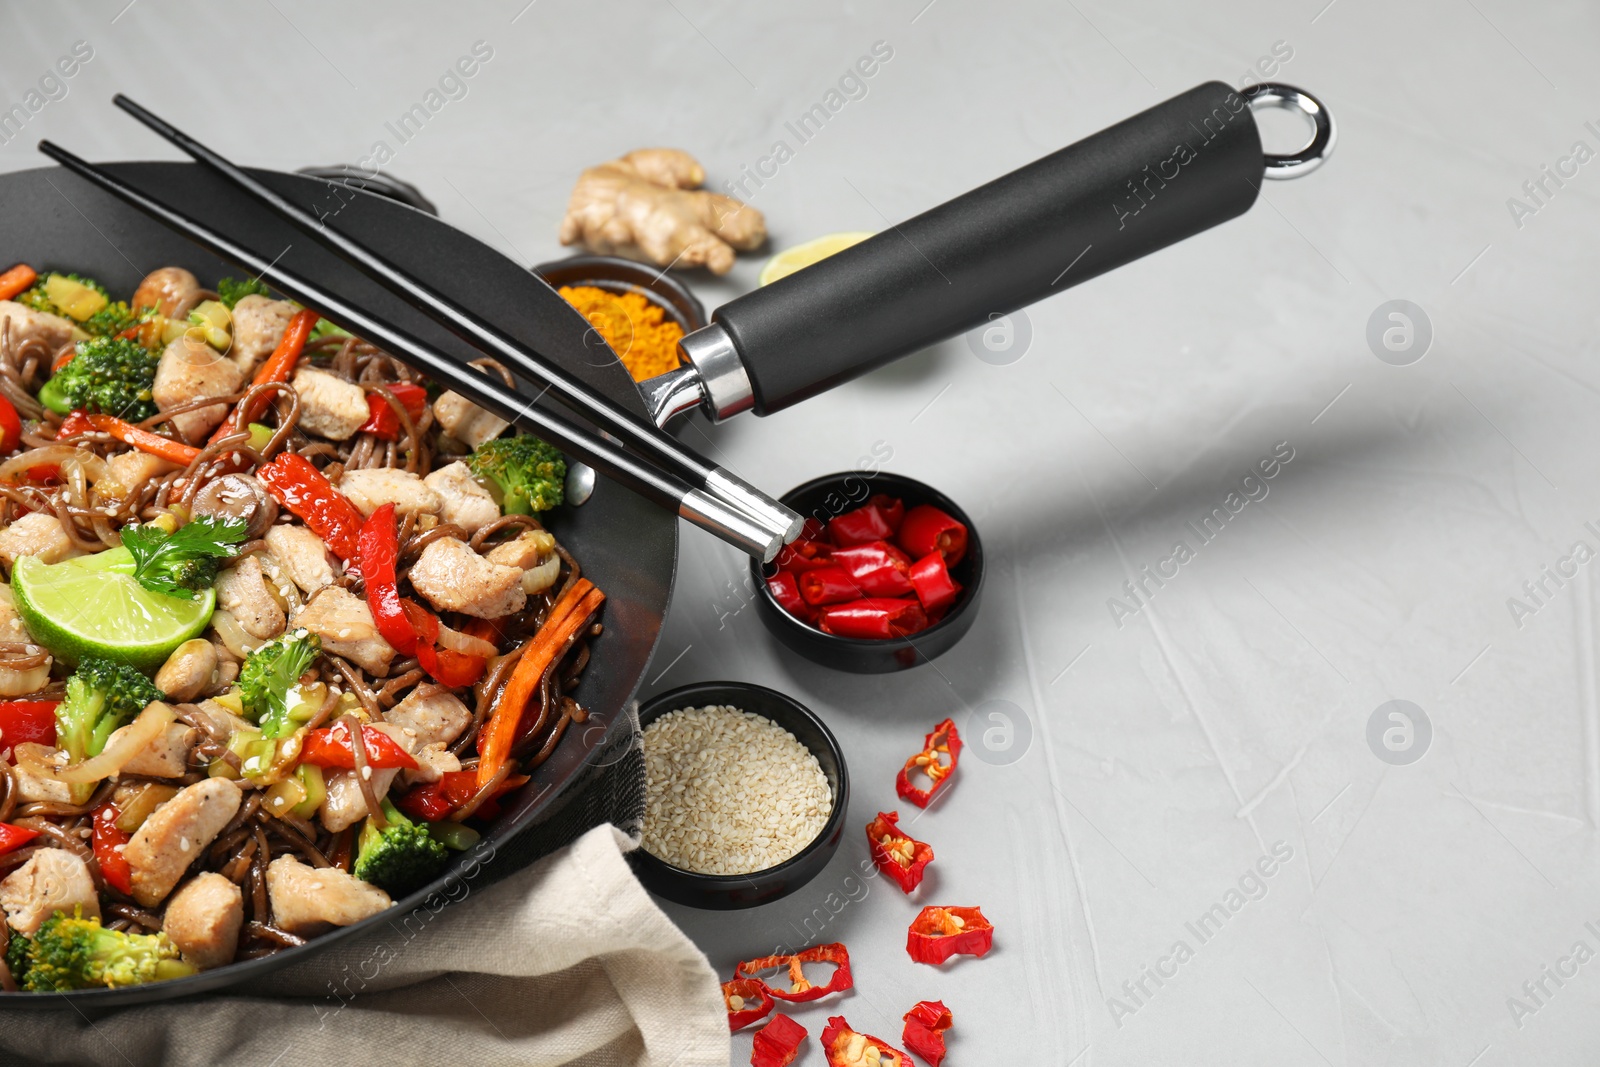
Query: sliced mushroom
column 238, row 496
column 170, row 290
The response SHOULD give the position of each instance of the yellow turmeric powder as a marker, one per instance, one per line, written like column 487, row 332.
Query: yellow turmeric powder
column 636, row 329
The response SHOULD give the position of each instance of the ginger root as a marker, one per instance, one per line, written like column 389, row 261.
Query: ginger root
column 649, row 205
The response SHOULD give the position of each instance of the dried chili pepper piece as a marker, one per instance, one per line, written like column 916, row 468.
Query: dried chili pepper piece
column 777, row 1043
column 895, row 852
column 937, row 933
column 944, row 741
column 800, row 989
column 847, row 1048
column 747, row 1000
column 925, row 1027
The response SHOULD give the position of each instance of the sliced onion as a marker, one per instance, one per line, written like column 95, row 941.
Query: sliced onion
column 16, row 683
column 13, row 469
column 232, row 634
column 538, row 579
column 128, row 743
column 466, row 644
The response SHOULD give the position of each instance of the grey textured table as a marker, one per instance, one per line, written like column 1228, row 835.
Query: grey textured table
column 1422, row 543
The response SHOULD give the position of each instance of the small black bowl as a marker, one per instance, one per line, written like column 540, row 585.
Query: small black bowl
column 834, row 494
column 729, row 892
column 617, row 275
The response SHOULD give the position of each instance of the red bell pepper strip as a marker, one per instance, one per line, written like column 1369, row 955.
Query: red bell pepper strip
column 800, row 989
column 330, row 747
column 436, row 800
column 896, row 853
column 847, row 1048
column 747, row 1000
column 873, row 618
column 14, row 837
column 931, row 580
column 10, row 426
column 381, row 418
column 777, row 1043
column 17, row 280
column 945, row 740
column 26, row 720
column 868, row 523
column 877, row 568
column 927, row 529
column 108, row 845
column 827, row 585
column 145, row 441
column 378, row 551
column 301, row 488
column 925, row 1027
column 786, row 592
column 936, row 934
column 275, row 368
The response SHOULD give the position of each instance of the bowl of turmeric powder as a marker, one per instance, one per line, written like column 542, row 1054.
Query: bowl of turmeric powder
column 639, row 311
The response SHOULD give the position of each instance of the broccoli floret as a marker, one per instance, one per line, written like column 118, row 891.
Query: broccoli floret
column 111, row 375
column 101, row 696
column 17, row 956
column 111, row 319
column 530, row 474
column 37, row 299
column 232, row 290
column 400, row 858
column 269, row 677
column 78, row 953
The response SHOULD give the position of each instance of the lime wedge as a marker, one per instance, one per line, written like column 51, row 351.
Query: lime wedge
column 790, row 260
column 92, row 606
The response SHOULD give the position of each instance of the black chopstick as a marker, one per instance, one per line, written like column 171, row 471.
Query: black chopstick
column 638, row 473
column 625, row 426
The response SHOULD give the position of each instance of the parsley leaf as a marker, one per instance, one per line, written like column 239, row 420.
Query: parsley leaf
column 179, row 564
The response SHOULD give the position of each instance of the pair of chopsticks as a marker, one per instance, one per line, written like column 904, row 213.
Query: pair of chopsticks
column 637, row 454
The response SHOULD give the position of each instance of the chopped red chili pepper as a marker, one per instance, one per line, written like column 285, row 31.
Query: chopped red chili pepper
column 800, row 988
column 777, row 1043
column 14, row 837
column 925, row 1027
column 936, row 934
column 944, row 741
column 827, row 585
column 930, row 577
column 435, row 800
column 810, row 549
column 895, row 852
column 868, row 523
column 847, row 1048
column 304, row 490
column 892, row 508
column 108, row 845
column 786, row 592
column 748, row 1001
column 26, row 720
column 381, row 418
column 927, row 529
column 877, row 568
column 873, row 618
column 330, row 747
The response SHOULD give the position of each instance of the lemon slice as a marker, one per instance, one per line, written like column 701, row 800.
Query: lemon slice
column 790, row 260
column 92, row 606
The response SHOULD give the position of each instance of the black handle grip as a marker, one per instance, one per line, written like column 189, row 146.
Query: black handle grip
column 1181, row 167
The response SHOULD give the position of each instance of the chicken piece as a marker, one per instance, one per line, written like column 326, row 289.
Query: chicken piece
column 37, row 534
column 308, row 900
column 433, row 761
column 303, row 556
column 52, row 880
column 192, row 370
column 259, row 323
column 165, row 757
column 454, row 578
column 462, row 500
column 369, row 490
column 534, row 553
column 127, row 473
column 12, row 628
column 329, row 405
column 345, row 624
column 203, row 920
column 37, row 787
column 242, row 592
column 52, row 331
column 177, row 832
column 466, row 421
column 430, row 717
column 344, row 804
column 172, row 291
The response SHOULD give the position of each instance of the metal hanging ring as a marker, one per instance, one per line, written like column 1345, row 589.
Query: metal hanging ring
column 1317, row 150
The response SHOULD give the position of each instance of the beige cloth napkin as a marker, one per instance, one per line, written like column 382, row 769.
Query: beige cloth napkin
column 566, row 962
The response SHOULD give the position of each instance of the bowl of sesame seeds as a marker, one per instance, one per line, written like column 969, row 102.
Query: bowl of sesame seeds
column 745, row 795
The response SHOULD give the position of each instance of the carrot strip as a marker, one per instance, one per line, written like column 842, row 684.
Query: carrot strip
column 17, row 280
column 569, row 616
column 173, row 451
column 275, row 368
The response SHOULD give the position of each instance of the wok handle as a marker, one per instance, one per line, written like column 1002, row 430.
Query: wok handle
column 1181, row 167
